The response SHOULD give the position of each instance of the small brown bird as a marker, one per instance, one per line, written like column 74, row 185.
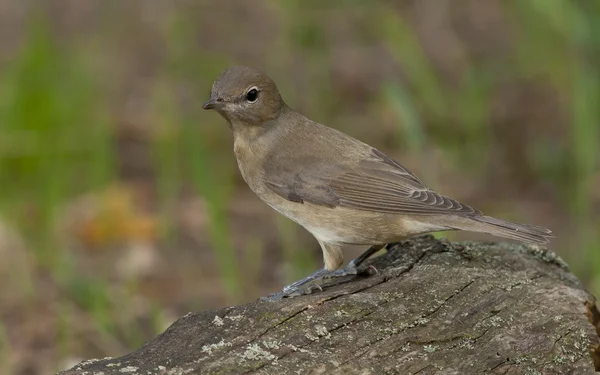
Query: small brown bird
column 340, row 189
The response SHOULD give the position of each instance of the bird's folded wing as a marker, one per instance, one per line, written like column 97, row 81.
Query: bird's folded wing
column 376, row 184
column 389, row 193
column 300, row 192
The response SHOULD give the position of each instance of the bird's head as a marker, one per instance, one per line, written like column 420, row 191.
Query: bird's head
column 245, row 97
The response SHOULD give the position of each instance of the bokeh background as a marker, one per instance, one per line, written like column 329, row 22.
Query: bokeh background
column 121, row 207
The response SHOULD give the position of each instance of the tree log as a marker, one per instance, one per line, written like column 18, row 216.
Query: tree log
column 433, row 307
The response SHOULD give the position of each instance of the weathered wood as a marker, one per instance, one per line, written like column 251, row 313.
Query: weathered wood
column 434, row 308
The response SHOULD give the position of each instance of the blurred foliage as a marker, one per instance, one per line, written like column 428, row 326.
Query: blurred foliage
column 104, row 148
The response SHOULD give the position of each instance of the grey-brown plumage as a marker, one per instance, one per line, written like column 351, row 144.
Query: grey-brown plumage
column 340, row 189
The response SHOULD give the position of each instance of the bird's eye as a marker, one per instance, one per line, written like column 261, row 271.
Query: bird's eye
column 252, row 95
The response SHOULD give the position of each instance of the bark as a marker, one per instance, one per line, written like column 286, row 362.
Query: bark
column 433, row 308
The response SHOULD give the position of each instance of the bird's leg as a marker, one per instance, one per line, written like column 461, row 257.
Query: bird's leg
column 332, row 257
column 364, row 256
column 297, row 286
column 351, row 267
column 324, row 273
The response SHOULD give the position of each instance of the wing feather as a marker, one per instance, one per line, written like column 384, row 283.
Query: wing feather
column 376, row 184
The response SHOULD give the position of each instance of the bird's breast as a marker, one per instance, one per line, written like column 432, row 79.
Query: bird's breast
column 249, row 164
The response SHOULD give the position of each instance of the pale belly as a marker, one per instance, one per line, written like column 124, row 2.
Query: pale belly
column 344, row 226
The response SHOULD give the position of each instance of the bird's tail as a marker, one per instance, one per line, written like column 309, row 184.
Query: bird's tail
column 502, row 228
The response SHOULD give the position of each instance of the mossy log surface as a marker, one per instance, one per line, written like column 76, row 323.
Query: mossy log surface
column 434, row 307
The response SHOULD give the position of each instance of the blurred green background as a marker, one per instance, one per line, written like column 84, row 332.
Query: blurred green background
column 121, row 207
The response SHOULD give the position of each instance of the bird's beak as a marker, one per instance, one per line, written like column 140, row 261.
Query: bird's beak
column 211, row 103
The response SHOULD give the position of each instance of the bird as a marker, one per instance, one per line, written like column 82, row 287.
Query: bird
column 341, row 190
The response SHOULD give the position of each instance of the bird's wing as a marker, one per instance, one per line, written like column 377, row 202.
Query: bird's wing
column 302, row 191
column 376, row 183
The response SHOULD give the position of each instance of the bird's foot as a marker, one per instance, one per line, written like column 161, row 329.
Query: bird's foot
column 300, row 287
column 310, row 283
column 290, row 293
column 349, row 270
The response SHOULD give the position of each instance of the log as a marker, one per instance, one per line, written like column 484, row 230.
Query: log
column 434, row 307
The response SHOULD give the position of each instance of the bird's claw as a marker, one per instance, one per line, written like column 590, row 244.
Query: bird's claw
column 289, row 292
column 308, row 285
column 347, row 271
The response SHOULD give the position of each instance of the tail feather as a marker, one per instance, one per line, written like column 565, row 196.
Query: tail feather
column 521, row 232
